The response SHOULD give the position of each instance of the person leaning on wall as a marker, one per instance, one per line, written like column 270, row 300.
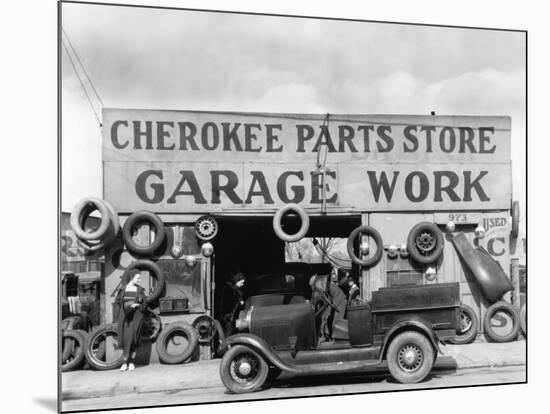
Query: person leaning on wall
column 131, row 301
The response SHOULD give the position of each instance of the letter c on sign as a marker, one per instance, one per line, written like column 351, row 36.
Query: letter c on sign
column 491, row 247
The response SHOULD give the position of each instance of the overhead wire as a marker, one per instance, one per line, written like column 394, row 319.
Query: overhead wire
column 81, row 83
column 82, row 66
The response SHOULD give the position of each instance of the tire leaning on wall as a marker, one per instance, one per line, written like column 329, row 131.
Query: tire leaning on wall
column 95, row 352
column 75, row 339
column 277, row 226
column 512, row 312
column 107, row 231
column 167, row 334
column 469, row 325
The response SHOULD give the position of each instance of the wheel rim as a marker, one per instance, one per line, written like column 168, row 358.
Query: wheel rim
column 104, row 348
column 410, row 358
column 465, row 322
column 244, row 368
column 206, row 228
column 425, row 241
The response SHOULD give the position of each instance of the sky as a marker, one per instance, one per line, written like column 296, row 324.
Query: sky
column 170, row 59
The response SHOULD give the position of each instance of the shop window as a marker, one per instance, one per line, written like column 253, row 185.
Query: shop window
column 183, row 281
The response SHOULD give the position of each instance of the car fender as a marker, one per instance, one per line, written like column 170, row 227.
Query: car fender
column 260, row 346
column 416, row 324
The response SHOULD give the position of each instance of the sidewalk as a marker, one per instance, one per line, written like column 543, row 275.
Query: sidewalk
column 205, row 374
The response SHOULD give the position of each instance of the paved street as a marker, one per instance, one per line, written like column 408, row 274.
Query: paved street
column 305, row 386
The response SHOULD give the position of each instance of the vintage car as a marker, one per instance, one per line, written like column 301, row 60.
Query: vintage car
column 401, row 325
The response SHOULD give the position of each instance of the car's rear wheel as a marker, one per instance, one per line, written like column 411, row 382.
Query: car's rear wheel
column 243, row 370
column 410, row 357
column 469, row 324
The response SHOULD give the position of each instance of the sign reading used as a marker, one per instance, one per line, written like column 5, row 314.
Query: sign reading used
column 186, row 161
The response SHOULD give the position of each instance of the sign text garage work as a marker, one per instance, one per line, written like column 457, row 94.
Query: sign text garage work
column 186, row 161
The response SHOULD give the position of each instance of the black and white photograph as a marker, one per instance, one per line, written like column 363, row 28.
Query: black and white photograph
column 269, row 205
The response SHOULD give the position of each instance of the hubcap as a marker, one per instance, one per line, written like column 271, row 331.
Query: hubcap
column 244, row 368
column 425, row 242
column 465, row 322
column 410, row 358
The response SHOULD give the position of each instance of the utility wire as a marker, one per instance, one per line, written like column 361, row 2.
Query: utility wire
column 82, row 66
column 81, row 83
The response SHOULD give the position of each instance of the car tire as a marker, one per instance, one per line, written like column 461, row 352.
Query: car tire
column 489, row 329
column 523, row 320
column 155, row 271
column 469, row 326
column 243, row 370
column 167, row 334
column 141, row 217
column 75, row 339
column 95, row 352
column 372, row 232
column 425, row 243
column 277, row 226
column 410, row 357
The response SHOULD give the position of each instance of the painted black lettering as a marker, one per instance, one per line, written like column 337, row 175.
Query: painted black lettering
column 188, row 137
column 346, row 134
column 428, row 130
column 324, row 138
column 214, row 134
column 316, row 196
column 162, row 133
column 304, row 133
column 114, row 134
column 408, row 133
column 158, row 188
column 258, row 179
column 424, row 186
column 298, row 190
column 469, row 185
column 382, row 184
column 486, row 139
column 466, row 135
column 272, row 138
column 366, row 136
column 383, row 131
column 228, row 188
column 447, row 139
column 230, row 135
column 148, row 134
column 194, row 189
column 452, row 183
column 249, row 137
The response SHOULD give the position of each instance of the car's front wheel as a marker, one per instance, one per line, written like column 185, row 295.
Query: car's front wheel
column 410, row 357
column 243, row 370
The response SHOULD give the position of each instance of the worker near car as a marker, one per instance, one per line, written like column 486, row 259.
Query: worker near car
column 339, row 299
column 232, row 302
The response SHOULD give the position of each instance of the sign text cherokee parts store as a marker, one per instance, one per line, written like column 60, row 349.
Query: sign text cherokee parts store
column 188, row 161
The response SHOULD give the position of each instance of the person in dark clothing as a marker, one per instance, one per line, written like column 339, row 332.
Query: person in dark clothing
column 232, row 301
column 132, row 301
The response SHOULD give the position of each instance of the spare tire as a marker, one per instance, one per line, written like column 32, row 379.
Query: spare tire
column 277, row 227
column 151, row 326
column 425, row 243
column 155, row 271
column 96, row 353
column 138, row 218
column 510, row 317
column 369, row 231
column 515, row 219
column 469, row 325
column 74, row 338
column 183, row 351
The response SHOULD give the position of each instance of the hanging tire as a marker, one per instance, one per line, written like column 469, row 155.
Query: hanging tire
column 170, row 348
column 151, row 327
column 501, row 322
column 138, row 218
column 243, row 370
column 425, row 243
column 373, row 233
column 523, row 320
column 75, row 339
column 104, row 356
column 410, row 357
column 155, row 271
column 515, row 219
column 277, row 226
column 82, row 211
column 469, row 326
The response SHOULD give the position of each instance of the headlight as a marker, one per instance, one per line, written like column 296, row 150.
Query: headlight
column 243, row 322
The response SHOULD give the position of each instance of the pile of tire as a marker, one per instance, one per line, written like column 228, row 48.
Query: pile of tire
column 72, row 348
column 109, row 226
